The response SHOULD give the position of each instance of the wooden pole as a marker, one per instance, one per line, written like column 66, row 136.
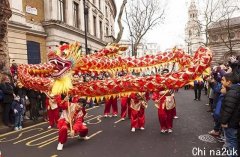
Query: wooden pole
column 69, row 115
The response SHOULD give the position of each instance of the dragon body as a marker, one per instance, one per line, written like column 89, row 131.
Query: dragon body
column 56, row 75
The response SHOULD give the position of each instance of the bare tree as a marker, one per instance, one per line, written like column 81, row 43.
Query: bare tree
column 142, row 16
column 226, row 25
column 209, row 13
column 5, row 14
column 121, row 28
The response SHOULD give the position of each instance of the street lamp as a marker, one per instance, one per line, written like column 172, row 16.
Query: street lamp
column 85, row 25
column 132, row 44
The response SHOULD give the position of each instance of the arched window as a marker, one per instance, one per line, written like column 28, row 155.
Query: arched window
column 61, row 10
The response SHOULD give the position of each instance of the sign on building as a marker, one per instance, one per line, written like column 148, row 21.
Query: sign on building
column 31, row 10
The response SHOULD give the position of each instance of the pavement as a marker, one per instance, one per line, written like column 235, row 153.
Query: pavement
column 113, row 138
column 6, row 129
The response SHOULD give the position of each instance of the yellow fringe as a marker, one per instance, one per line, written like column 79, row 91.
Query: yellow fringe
column 62, row 85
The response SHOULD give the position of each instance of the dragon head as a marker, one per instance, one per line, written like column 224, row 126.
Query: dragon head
column 64, row 59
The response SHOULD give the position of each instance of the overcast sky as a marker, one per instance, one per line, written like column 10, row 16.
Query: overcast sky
column 171, row 32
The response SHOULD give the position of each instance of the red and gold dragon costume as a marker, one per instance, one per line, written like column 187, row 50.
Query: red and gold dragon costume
column 68, row 59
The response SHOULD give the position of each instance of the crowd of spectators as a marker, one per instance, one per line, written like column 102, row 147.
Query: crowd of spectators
column 223, row 90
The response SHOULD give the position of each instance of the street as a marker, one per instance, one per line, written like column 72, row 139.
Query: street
column 110, row 137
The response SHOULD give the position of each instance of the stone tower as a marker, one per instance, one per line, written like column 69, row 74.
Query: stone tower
column 193, row 37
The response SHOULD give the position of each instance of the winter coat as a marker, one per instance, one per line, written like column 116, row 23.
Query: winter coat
column 7, row 89
column 217, row 112
column 18, row 106
column 198, row 85
column 230, row 112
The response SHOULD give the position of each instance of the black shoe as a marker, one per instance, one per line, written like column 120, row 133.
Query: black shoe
column 194, row 99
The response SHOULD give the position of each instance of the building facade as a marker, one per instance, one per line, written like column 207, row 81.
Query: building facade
column 37, row 25
column 143, row 49
column 193, row 37
column 224, row 39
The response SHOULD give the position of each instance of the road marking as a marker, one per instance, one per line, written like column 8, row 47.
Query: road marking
column 9, row 133
column 50, row 141
column 54, row 156
column 29, row 143
column 92, row 108
column 19, row 135
column 12, row 132
column 118, row 121
column 97, row 117
column 87, row 116
column 32, row 136
column 94, row 134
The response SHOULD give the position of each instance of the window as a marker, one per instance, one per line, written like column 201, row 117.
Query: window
column 106, row 11
column 190, row 33
column 101, row 32
column 61, row 10
column 111, row 30
column 33, row 52
column 106, row 31
column 99, row 4
column 95, row 25
column 75, row 15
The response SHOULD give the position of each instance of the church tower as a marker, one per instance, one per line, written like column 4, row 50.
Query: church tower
column 193, row 37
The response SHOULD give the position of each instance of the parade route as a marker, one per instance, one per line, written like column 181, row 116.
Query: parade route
column 112, row 137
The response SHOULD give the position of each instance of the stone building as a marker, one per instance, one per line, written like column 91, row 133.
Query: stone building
column 224, row 39
column 26, row 36
column 193, row 37
column 143, row 48
column 37, row 25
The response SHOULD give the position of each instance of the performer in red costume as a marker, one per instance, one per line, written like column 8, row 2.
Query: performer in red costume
column 73, row 115
column 112, row 102
column 165, row 116
column 125, row 107
column 138, row 104
column 52, row 110
column 80, row 102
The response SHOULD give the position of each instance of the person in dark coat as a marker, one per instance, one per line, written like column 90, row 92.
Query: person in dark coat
column 198, row 86
column 33, row 98
column 230, row 112
column 7, row 89
column 22, row 93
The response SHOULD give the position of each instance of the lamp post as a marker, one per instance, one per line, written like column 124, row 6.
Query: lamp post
column 85, row 25
column 132, row 44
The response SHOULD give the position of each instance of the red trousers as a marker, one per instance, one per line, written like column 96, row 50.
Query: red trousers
column 53, row 116
column 125, row 106
column 112, row 102
column 78, row 127
column 174, row 112
column 165, row 118
column 137, row 118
